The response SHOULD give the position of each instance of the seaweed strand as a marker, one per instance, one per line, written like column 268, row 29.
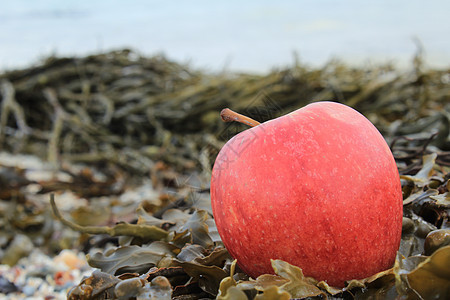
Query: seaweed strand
column 134, row 230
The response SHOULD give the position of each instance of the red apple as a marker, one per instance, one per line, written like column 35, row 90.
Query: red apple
column 317, row 188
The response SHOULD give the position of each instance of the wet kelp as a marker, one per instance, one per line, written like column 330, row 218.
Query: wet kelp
column 125, row 143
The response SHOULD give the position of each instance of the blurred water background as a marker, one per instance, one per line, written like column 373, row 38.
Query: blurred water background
column 252, row 36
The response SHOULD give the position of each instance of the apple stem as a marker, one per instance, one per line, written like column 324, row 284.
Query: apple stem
column 228, row 115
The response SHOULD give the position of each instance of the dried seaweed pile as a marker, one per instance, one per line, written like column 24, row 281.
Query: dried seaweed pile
column 128, row 110
column 126, row 144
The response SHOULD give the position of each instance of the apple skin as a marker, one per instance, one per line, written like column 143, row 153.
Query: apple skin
column 318, row 188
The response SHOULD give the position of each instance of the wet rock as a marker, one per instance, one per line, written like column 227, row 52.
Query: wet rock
column 436, row 239
column 407, row 226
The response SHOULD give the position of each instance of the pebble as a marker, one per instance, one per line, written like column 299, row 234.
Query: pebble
column 39, row 276
column 436, row 239
column 21, row 246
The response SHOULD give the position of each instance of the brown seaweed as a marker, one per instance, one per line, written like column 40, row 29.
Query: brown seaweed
column 110, row 123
